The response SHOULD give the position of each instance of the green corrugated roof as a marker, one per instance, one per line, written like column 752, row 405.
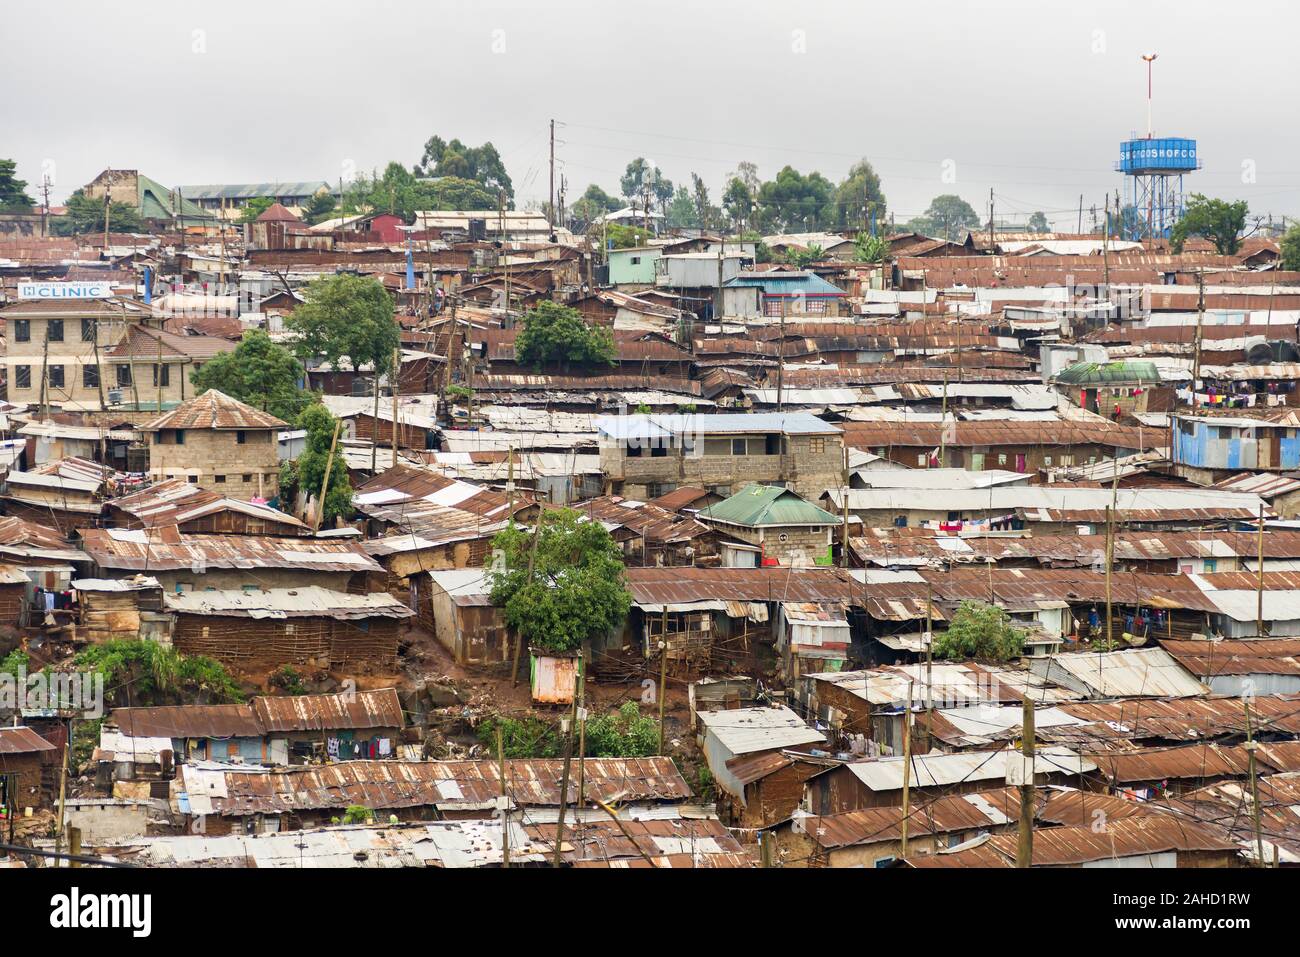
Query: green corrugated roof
column 156, row 201
column 1086, row 373
column 756, row 505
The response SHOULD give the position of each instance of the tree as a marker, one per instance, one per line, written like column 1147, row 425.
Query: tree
column 13, row 191
column 561, row 584
column 706, row 214
column 948, row 216
column 858, row 199
column 553, row 333
column 306, row 473
column 979, row 630
column 681, row 211
column 626, row 237
column 641, row 177
column 259, row 372
column 320, row 207
column 793, row 202
column 1038, row 223
column 625, row 733
column 1217, row 220
column 346, row 316
column 254, row 208
column 455, row 192
column 1291, row 249
column 870, row 249
column 156, row 674
column 593, row 204
column 86, row 215
column 482, row 164
column 802, row 257
column 738, row 202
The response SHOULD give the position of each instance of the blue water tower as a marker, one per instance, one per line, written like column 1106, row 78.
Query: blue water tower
column 1154, row 170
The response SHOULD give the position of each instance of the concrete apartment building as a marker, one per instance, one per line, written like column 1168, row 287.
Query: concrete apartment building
column 645, row 456
column 218, row 443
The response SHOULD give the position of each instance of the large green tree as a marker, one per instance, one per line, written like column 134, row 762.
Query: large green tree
column 980, row 630
column 320, row 207
column 306, row 473
column 707, row 216
column 681, row 211
column 738, row 203
column 858, row 199
column 1217, row 220
column 13, row 191
column 259, row 372
column 345, row 316
column 593, row 204
column 1291, row 249
column 642, row 177
column 86, row 215
column 255, row 207
column 948, row 217
column 560, row 584
column 481, row 164
column 1038, row 223
column 794, row 202
column 558, row 335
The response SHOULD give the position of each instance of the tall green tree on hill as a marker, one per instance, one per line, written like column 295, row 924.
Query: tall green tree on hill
column 482, row 164
column 562, row 585
column 948, row 217
column 1217, row 220
column 794, row 202
column 556, row 335
column 858, row 199
column 13, row 191
column 306, row 473
column 259, row 372
column 1291, row 249
column 86, row 215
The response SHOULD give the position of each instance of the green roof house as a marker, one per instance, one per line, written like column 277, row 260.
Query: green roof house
column 1113, row 389
column 778, row 526
column 154, row 201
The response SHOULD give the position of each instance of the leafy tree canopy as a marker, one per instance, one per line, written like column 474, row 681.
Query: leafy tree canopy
column 870, row 249
column 979, row 630
column 625, row 733
column 345, row 315
column 858, row 198
column 738, row 202
column 1038, row 223
column 948, row 217
column 86, row 215
column 593, row 204
column 575, row 590
column 13, row 191
column 793, row 202
column 681, row 211
column 1291, row 249
column 553, row 333
column 1217, row 220
column 320, row 207
column 158, row 674
column 625, row 237
column 307, row 472
column 642, row 176
column 255, row 207
column 258, row 372
column 482, row 164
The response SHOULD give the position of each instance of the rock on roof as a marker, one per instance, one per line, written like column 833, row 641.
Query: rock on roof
column 214, row 410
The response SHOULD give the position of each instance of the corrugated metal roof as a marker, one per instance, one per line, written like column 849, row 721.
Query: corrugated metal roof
column 1133, row 673
column 767, row 505
column 164, row 549
column 746, row 730
column 214, row 410
column 1135, row 836
column 965, row 812
column 22, row 740
column 306, row 602
column 943, row 770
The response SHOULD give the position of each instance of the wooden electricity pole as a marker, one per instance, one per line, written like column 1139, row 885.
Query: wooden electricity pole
column 1259, row 589
column 325, row 485
column 564, row 779
column 397, row 388
column 1025, row 846
column 907, row 765
column 505, row 799
column 1251, row 746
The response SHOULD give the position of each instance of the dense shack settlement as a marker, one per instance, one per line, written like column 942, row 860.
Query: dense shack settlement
column 340, row 527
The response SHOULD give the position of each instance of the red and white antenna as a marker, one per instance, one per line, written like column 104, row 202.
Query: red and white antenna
column 1150, row 58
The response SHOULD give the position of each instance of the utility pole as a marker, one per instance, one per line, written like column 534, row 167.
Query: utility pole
column 1025, row 846
column 550, row 215
column 663, row 680
column 564, row 778
column 1080, row 228
column 324, row 489
column 844, row 515
column 943, row 426
column 907, row 765
column 1259, row 590
column 991, row 243
column 1200, row 318
column 1110, row 557
column 582, row 732
column 505, row 799
column 1251, row 746
column 397, row 372
column 929, row 664
column 780, row 364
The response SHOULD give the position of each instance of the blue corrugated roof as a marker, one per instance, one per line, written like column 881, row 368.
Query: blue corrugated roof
column 787, row 283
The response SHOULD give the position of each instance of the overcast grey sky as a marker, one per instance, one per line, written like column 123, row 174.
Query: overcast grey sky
column 1029, row 98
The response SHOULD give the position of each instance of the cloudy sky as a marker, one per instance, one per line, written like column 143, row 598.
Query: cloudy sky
column 1028, row 98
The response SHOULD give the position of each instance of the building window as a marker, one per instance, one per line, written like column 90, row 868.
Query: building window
column 219, row 478
column 23, row 377
column 54, row 330
column 87, row 330
column 817, row 444
column 179, row 435
column 240, row 436
column 163, row 379
column 123, row 375
column 22, row 330
column 635, row 260
column 90, row 376
column 248, row 476
column 55, row 374
column 738, row 446
column 192, row 479
column 717, row 447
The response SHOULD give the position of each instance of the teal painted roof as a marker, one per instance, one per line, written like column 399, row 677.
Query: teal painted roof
column 756, row 505
column 785, row 283
column 1088, row 373
column 156, row 201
